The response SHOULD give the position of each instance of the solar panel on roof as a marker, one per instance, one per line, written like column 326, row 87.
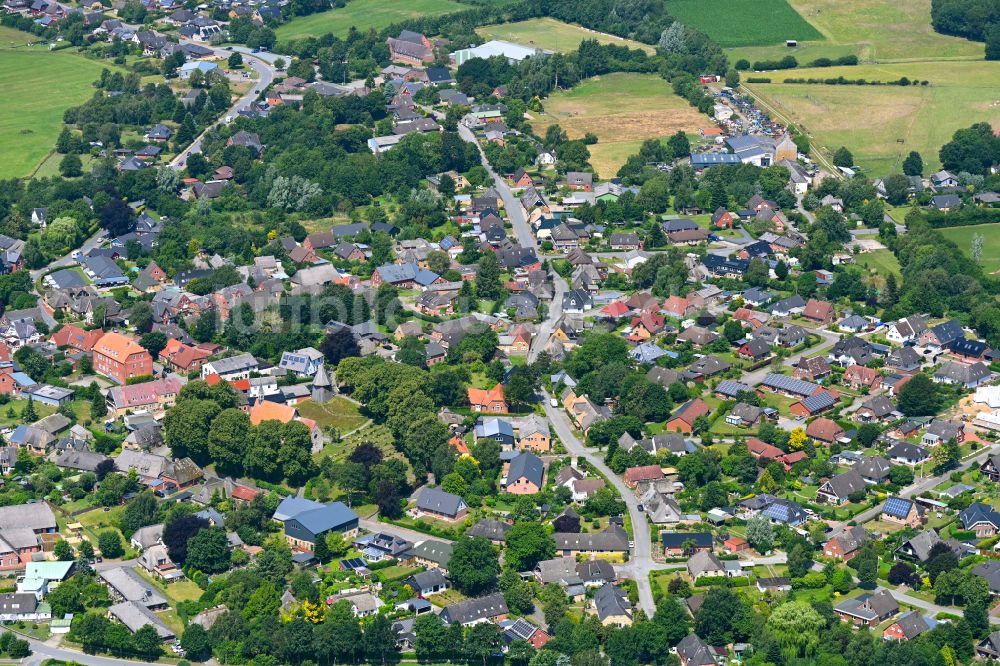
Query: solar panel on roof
column 895, row 506
column 817, row 402
column 353, row 563
column 790, row 384
column 730, row 387
column 776, row 511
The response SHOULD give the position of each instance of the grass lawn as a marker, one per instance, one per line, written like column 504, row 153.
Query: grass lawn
column 10, row 414
column 881, row 262
column 11, row 38
column 49, row 167
column 76, row 505
column 323, row 224
column 364, row 15
column 898, row 213
column 705, row 222
column 873, row 30
column 896, row 119
column 550, row 34
column 396, row 572
column 449, row 596
column 100, row 519
column 339, row 413
column 182, row 590
column 619, row 108
column 742, row 22
column 782, row 403
column 38, row 631
column 962, row 236
column 32, row 120
column 720, row 427
column 379, row 435
column 172, row 620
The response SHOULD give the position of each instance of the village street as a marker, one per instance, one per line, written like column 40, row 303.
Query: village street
column 265, row 72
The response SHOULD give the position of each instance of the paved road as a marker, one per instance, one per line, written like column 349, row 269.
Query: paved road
column 924, row 605
column 515, row 211
column 641, row 562
column 829, row 339
column 374, row 525
column 265, row 72
column 43, row 651
column 926, row 483
column 525, row 238
column 68, row 260
column 555, row 312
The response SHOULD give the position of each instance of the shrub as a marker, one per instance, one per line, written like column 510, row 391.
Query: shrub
column 788, row 62
column 711, row 581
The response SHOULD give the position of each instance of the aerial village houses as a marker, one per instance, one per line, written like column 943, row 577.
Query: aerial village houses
column 152, row 396
column 490, row 401
column 121, row 358
column 305, row 521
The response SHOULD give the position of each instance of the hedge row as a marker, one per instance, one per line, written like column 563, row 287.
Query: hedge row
column 841, row 81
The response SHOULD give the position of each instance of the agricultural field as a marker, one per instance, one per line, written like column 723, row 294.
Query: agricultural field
column 622, row 110
column 896, row 119
column 873, row 30
column 31, row 119
column 364, row 15
column 962, row 236
column 744, row 22
column 552, row 35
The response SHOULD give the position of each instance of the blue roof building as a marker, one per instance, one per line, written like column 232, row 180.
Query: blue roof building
column 648, row 352
column 705, row 160
column 899, row 508
column 496, row 429
column 189, row 67
column 305, row 527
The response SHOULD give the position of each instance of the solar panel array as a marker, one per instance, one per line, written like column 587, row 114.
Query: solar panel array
column 789, row 384
column 894, row 506
column 731, row 387
column 818, row 402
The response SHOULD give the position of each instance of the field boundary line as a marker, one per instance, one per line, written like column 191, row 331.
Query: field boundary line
column 787, row 120
column 41, row 163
